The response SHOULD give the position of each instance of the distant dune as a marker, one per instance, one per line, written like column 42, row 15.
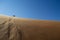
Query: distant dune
column 12, row 28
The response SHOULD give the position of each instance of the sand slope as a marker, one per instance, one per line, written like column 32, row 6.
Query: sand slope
column 12, row 28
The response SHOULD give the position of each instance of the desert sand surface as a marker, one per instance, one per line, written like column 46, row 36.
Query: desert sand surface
column 12, row 28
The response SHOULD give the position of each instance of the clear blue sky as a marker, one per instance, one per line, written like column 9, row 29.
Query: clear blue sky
column 35, row 9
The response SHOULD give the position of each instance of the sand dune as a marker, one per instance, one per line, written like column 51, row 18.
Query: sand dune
column 12, row 28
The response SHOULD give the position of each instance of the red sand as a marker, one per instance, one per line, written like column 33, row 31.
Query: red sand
column 12, row 28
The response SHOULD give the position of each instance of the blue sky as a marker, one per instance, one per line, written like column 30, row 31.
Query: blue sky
column 35, row 9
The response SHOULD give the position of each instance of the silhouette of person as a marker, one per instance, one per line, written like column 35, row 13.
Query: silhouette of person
column 13, row 15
